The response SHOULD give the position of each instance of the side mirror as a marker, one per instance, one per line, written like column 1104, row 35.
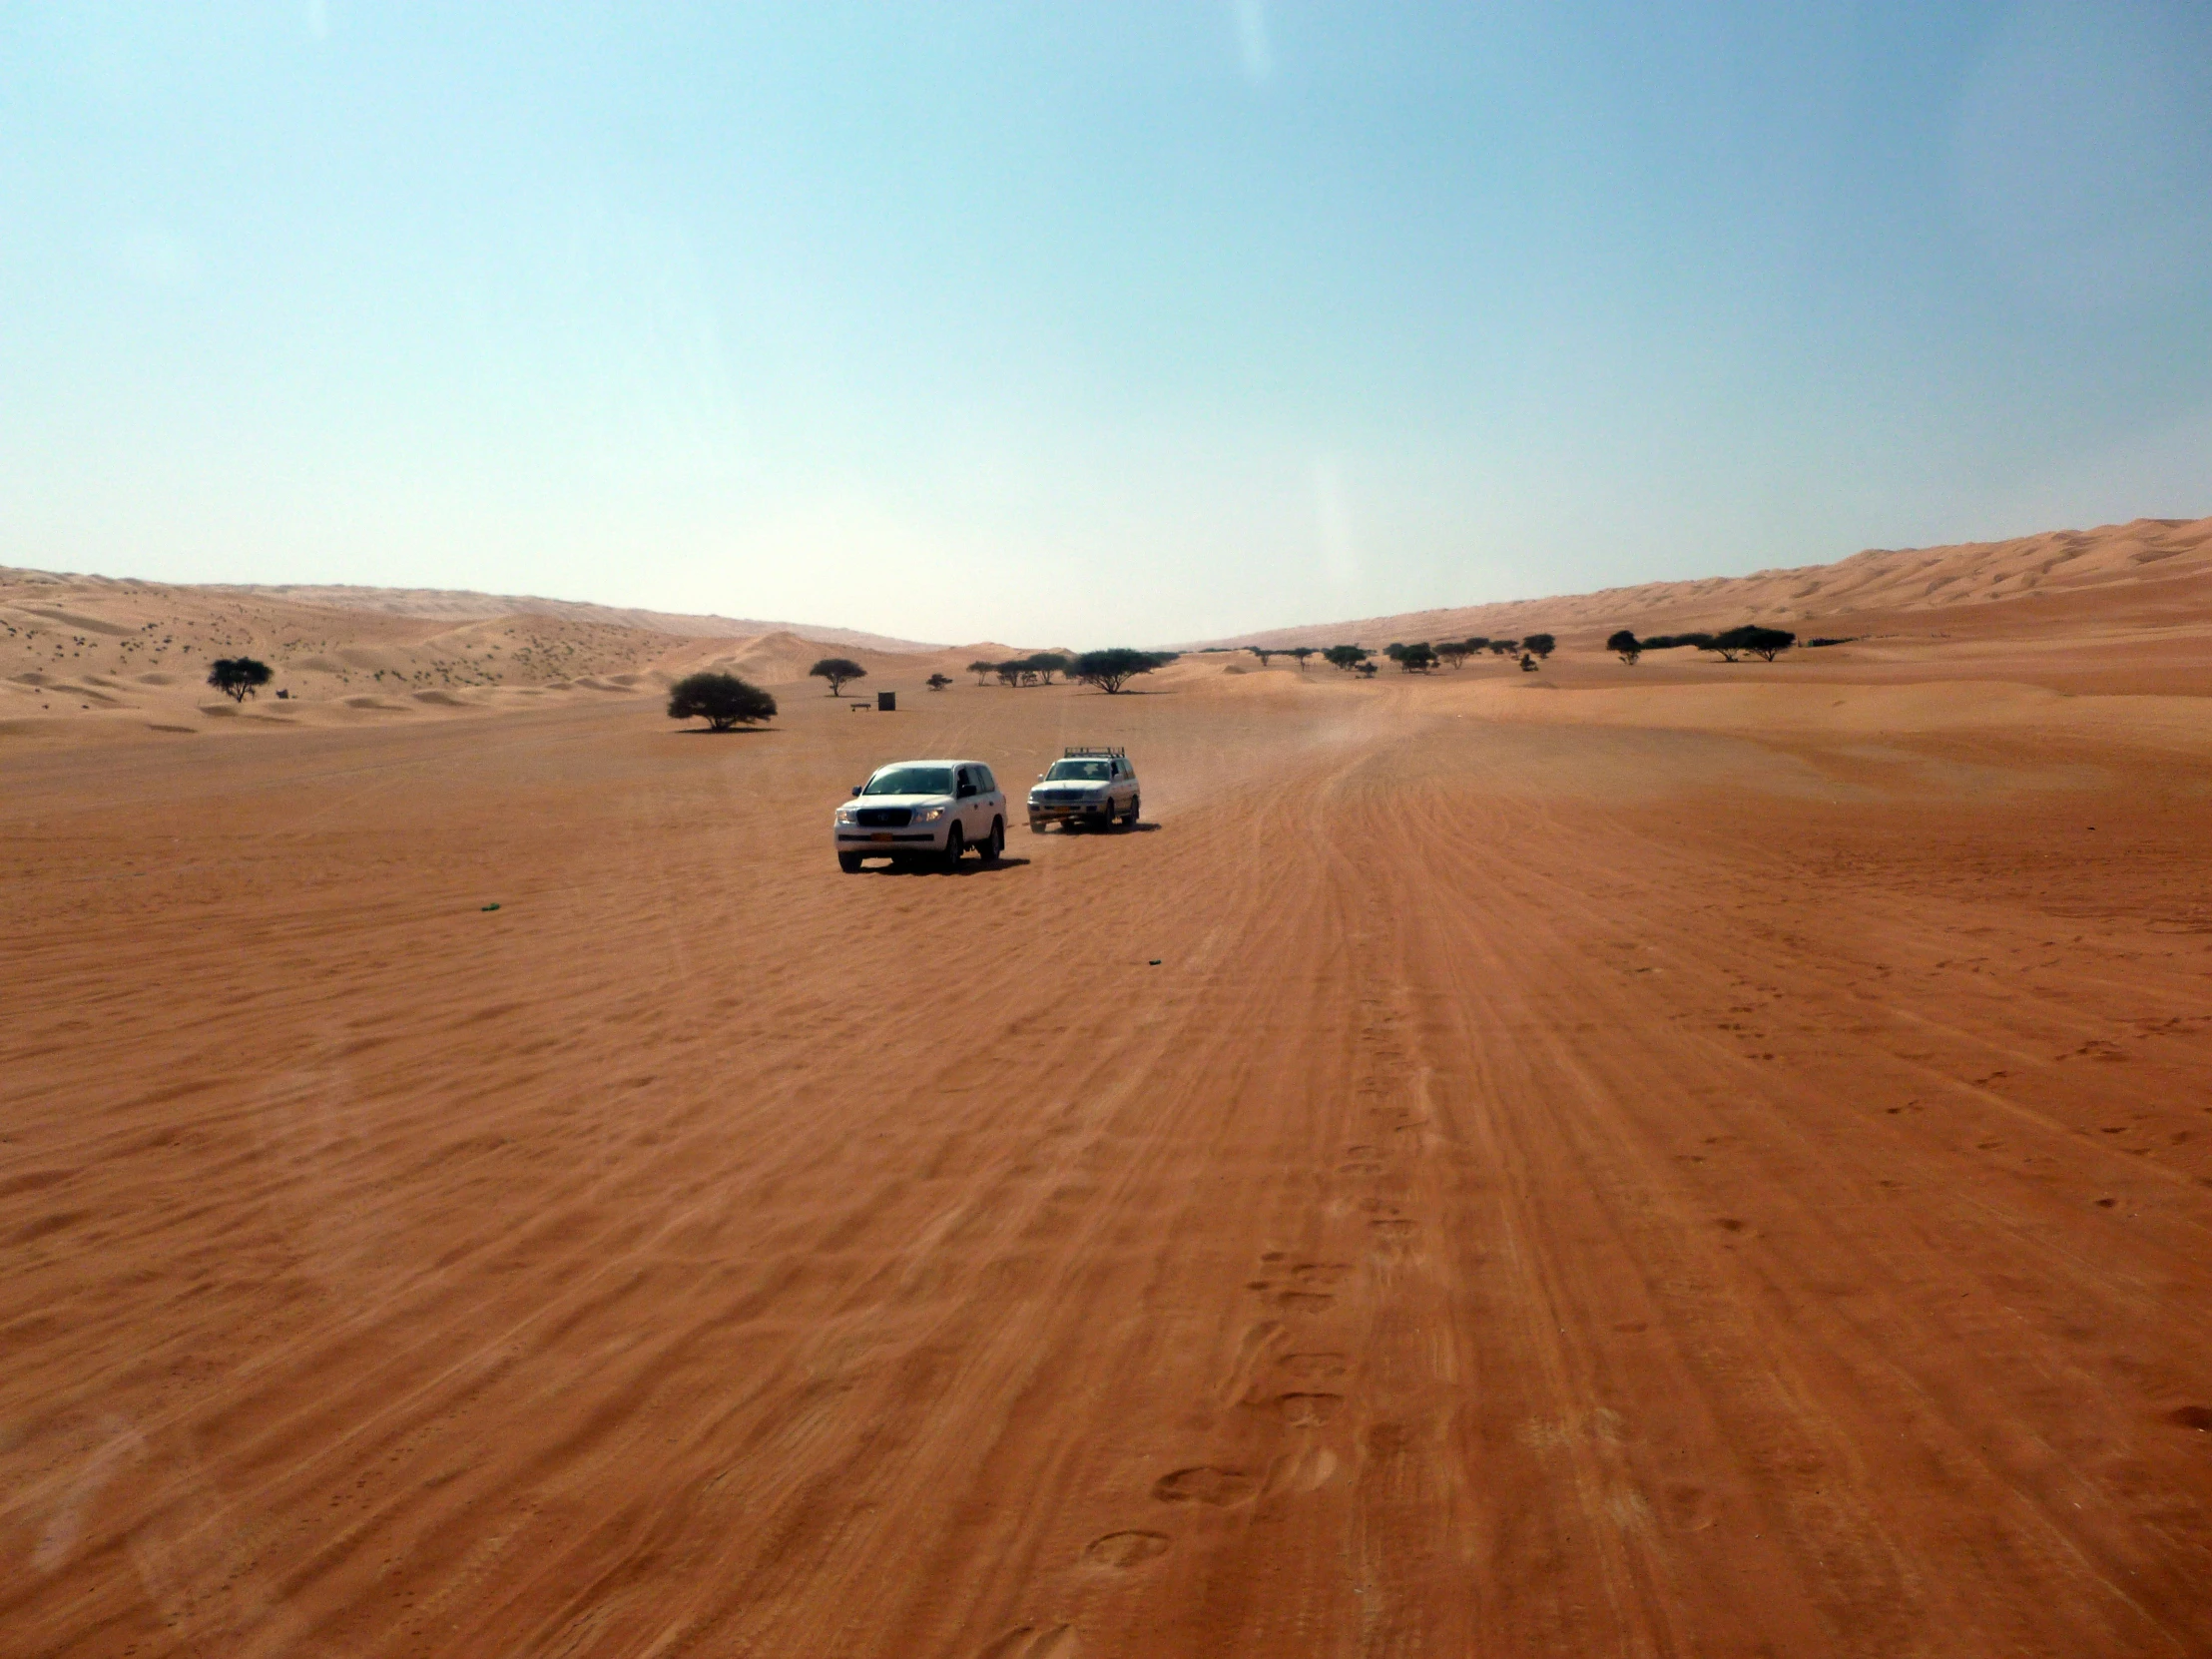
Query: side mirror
column 856, row 789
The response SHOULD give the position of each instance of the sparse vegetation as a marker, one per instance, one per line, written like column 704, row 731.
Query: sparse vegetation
column 1113, row 669
column 723, row 701
column 1539, row 646
column 239, row 678
column 1625, row 645
column 1345, row 658
column 937, row 682
column 837, row 670
column 1298, row 654
column 1412, row 659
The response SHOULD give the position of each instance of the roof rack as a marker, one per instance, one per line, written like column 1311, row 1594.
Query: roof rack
column 1081, row 752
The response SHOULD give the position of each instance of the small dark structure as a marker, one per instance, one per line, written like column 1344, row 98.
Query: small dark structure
column 886, row 703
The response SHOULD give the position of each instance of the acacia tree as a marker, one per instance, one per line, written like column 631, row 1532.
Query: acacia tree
column 1764, row 643
column 1299, row 653
column 982, row 671
column 1045, row 664
column 937, row 682
column 239, row 678
column 1344, row 658
column 1011, row 670
column 1538, row 645
column 1263, row 652
column 721, row 699
column 1417, row 658
column 1453, row 651
column 1723, row 645
column 1112, row 669
column 837, row 670
column 1506, row 648
column 1625, row 645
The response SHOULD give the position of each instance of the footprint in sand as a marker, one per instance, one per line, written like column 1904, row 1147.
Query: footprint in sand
column 1206, row 1484
column 1393, row 1227
column 1305, row 1470
column 1123, row 1550
column 1053, row 1642
column 1304, row 1411
column 1304, row 1302
column 1315, row 1368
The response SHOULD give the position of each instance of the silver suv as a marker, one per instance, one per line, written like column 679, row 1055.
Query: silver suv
column 922, row 808
column 1085, row 786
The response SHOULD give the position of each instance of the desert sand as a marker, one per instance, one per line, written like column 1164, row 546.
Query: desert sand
column 1682, row 1159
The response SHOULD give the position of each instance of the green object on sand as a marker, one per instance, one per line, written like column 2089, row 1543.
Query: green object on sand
column 491, row 906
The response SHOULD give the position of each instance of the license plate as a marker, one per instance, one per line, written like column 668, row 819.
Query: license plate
column 880, row 836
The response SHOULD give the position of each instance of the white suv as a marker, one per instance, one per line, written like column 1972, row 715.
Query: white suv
column 1085, row 786
column 922, row 808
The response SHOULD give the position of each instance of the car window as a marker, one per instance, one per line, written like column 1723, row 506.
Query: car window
column 1092, row 771
column 910, row 780
column 984, row 781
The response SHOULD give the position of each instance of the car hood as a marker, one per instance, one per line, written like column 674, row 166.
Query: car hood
column 1083, row 785
column 917, row 802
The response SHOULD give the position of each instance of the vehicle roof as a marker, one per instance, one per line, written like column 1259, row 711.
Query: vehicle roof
column 930, row 761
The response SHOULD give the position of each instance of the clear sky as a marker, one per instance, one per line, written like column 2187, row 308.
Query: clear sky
column 1090, row 324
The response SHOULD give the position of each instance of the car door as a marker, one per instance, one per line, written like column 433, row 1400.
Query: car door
column 990, row 804
column 975, row 821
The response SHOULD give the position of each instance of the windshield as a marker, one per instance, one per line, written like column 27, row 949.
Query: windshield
column 910, row 780
column 1097, row 770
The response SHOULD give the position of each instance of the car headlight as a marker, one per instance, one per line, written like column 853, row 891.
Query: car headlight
column 844, row 814
column 931, row 815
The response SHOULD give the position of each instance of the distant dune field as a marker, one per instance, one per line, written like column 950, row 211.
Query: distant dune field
column 1677, row 1159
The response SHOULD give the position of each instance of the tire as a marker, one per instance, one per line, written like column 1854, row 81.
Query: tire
column 956, row 843
column 993, row 846
column 1036, row 826
column 1136, row 805
column 850, row 863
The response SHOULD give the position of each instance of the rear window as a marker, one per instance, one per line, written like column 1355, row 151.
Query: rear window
column 910, row 780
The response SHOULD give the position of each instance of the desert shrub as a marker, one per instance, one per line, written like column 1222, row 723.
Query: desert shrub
column 1625, row 645
column 1365, row 671
column 1453, row 651
column 1539, row 645
column 1112, row 669
column 1045, row 664
column 1298, row 654
column 1764, row 643
column 1263, row 652
column 1417, row 658
column 239, row 678
column 937, row 682
column 1344, row 658
column 837, row 670
column 723, row 701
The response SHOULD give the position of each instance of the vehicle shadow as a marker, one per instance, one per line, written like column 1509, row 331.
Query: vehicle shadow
column 966, row 866
column 1108, row 835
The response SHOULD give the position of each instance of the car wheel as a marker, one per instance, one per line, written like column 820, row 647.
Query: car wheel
column 850, row 863
column 956, row 843
column 1136, row 805
column 1036, row 826
column 994, row 846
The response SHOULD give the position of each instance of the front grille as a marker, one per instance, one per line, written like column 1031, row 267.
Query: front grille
column 884, row 817
column 1060, row 795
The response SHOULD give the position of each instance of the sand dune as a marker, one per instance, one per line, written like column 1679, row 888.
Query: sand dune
column 1683, row 1159
column 461, row 605
column 2159, row 571
column 85, row 657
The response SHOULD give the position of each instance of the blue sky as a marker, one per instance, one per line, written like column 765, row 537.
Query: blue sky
column 1090, row 324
